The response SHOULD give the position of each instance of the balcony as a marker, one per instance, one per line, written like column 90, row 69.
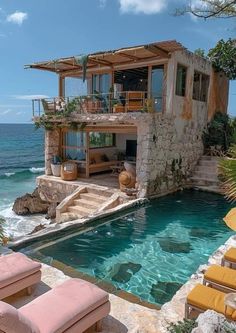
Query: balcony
column 98, row 103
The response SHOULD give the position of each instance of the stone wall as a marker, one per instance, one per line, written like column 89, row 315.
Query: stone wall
column 168, row 150
column 52, row 144
column 53, row 189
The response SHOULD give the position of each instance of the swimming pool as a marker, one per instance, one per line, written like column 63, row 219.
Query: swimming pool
column 152, row 250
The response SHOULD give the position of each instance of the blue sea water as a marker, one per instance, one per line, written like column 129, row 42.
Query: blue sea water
column 21, row 161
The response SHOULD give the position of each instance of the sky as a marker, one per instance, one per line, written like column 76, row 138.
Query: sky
column 32, row 31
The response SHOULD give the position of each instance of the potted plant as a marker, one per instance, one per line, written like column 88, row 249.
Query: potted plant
column 56, row 166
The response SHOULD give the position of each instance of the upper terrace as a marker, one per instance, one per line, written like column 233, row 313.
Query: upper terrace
column 117, row 81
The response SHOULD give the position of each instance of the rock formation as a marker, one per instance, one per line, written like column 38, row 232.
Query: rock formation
column 30, row 204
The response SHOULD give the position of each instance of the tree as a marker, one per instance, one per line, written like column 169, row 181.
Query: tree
column 210, row 8
column 223, row 57
column 200, row 52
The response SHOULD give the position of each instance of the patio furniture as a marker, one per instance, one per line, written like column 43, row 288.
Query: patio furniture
column 203, row 298
column 229, row 257
column 17, row 272
column 69, row 171
column 71, row 307
column 99, row 162
column 219, row 277
column 127, row 180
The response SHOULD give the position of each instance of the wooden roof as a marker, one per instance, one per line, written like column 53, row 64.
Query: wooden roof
column 123, row 56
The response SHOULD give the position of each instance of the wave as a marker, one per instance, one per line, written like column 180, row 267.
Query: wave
column 9, row 174
column 22, row 173
column 37, row 170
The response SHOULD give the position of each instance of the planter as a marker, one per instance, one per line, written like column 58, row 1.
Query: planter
column 56, row 170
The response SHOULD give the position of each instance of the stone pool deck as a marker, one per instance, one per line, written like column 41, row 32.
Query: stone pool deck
column 125, row 316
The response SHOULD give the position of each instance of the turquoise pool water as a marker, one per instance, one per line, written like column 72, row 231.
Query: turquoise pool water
column 152, row 250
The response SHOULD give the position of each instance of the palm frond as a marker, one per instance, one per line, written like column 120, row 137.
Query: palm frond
column 228, row 169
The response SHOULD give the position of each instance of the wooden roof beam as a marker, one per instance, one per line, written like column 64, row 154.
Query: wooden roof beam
column 157, row 50
column 100, row 62
column 132, row 57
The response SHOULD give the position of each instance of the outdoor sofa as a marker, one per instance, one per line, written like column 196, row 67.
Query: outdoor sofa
column 71, row 307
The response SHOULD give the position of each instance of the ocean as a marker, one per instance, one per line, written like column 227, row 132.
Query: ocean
column 21, row 161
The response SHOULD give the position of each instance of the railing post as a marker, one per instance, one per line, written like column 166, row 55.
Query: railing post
column 33, row 107
column 39, row 107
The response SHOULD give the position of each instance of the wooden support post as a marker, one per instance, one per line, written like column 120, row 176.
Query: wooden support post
column 61, row 87
column 87, row 154
column 149, row 82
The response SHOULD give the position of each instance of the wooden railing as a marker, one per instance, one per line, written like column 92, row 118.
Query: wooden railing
column 126, row 101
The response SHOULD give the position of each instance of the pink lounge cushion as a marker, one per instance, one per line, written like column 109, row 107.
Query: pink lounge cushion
column 16, row 266
column 64, row 305
column 12, row 321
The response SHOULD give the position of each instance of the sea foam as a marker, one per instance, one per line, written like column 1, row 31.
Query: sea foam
column 36, row 170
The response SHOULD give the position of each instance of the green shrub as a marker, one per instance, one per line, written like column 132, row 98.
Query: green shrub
column 221, row 130
column 185, row 326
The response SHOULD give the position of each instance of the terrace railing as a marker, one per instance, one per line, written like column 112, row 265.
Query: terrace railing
column 126, row 101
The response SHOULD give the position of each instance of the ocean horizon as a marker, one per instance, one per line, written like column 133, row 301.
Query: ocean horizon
column 21, row 161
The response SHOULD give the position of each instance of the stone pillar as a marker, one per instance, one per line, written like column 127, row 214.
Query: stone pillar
column 52, row 147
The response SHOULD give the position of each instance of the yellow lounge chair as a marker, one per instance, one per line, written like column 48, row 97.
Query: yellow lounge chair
column 222, row 278
column 203, row 298
column 229, row 257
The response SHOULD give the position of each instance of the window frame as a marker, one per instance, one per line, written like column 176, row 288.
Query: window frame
column 185, row 82
column 199, row 95
column 100, row 147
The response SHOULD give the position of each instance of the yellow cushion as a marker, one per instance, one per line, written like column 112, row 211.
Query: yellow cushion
column 231, row 254
column 208, row 298
column 221, row 275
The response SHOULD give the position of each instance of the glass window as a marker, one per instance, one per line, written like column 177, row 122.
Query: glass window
column 181, row 80
column 157, row 87
column 98, row 140
column 74, row 145
column 75, row 87
column 101, row 83
column 200, row 87
column 204, row 88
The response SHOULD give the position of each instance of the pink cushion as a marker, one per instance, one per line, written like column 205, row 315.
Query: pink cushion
column 12, row 321
column 16, row 266
column 64, row 305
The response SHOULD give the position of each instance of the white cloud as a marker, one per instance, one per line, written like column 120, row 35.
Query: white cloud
column 17, row 17
column 29, row 97
column 142, row 6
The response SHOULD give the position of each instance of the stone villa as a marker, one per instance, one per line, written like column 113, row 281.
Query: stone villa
column 147, row 104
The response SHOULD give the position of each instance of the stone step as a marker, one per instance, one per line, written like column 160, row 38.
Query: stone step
column 204, row 182
column 204, row 174
column 209, row 158
column 207, row 169
column 93, row 197
column 82, row 211
column 100, row 192
column 86, row 203
column 65, row 217
column 208, row 163
column 209, row 188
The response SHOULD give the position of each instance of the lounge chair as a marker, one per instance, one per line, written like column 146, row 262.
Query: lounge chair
column 229, row 257
column 71, row 307
column 222, row 278
column 17, row 272
column 203, row 298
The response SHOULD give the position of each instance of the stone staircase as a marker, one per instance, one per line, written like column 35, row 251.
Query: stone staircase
column 205, row 175
column 83, row 203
